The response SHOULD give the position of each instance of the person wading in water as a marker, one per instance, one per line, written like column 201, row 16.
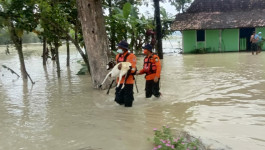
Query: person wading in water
column 152, row 70
column 125, row 96
column 254, row 40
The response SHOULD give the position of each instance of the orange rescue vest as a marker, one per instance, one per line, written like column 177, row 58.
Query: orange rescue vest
column 149, row 66
column 132, row 59
column 122, row 59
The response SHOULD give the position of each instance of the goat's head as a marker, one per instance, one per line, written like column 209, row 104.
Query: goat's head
column 110, row 65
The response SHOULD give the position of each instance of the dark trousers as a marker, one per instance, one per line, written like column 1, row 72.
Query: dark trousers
column 254, row 47
column 125, row 95
column 152, row 88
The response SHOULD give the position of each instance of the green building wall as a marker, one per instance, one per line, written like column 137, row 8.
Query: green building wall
column 212, row 40
column 200, row 45
column 189, row 41
column 229, row 41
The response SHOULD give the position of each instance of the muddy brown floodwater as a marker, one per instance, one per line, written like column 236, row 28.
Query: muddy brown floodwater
column 216, row 97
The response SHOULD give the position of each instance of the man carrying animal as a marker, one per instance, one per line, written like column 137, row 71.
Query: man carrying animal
column 125, row 95
column 152, row 70
column 254, row 40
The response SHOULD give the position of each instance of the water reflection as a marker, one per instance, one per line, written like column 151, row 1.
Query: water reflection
column 217, row 97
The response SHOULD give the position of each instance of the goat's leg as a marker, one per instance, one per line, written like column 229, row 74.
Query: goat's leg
column 120, row 77
column 105, row 79
column 124, row 81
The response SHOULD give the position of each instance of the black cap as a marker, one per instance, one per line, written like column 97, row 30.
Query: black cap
column 148, row 47
column 123, row 44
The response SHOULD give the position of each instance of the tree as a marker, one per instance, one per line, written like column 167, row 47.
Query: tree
column 50, row 10
column 113, row 24
column 158, row 29
column 18, row 16
column 181, row 5
column 161, row 33
column 128, row 24
column 166, row 21
column 61, row 16
column 95, row 37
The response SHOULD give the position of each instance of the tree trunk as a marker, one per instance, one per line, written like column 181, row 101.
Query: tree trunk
column 45, row 52
column 18, row 44
column 83, row 55
column 158, row 29
column 133, row 41
column 68, row 53
column 95, row 37
column 112, row 29
column 22, row 63
column 56, row 45
column 74, row 41
column 52, row 52
column 139, row 45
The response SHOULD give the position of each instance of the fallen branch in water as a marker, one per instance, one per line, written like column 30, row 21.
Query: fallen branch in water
column 11, row 70
column 30, row 78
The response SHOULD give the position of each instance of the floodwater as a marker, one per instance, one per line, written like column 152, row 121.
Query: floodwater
column 216, row 97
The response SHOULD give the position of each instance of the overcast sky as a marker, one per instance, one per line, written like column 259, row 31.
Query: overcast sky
column 170, row 9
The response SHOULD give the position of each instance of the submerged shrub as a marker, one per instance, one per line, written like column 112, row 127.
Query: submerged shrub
column 165, row 140
column 83, row 70
column 201, row 50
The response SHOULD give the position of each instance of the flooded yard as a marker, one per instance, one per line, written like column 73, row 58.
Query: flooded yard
column 218, row 98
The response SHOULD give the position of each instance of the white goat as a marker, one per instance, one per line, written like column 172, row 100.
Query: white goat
column 115, row 72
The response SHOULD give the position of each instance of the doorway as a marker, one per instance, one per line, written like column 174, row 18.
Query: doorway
column 244, row 39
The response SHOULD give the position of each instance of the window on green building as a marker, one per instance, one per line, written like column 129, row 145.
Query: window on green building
column 200, row 35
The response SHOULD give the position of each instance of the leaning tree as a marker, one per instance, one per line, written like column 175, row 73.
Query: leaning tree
column 18, row 16
column 95, row 37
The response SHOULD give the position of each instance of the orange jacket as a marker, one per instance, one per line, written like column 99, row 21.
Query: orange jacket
column 130, row 58
column 151, row 67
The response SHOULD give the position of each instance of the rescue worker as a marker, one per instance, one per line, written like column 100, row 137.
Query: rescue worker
column 125, row 96
column 152, row 70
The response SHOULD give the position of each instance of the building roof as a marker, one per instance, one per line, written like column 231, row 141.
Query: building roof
column 221, row 14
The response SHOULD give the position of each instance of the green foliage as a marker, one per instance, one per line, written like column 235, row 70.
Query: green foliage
column 202, row 50
column 114, row 52
column 125, row 22
column 2, row 20
column 51, row 20
column 58, row 20
column 126, row 10
column 165, row 140
column 180, row 5
column 22, row 14
column 166, row 22
column 83, row 70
